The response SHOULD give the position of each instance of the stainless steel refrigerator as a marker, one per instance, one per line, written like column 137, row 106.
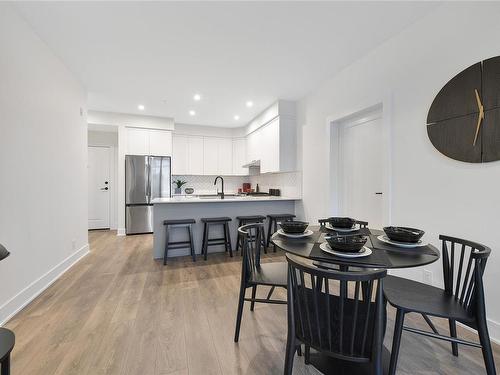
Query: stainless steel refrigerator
column 146, row 178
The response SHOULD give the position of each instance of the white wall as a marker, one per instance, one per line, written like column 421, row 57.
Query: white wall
column 110, row 140
column 43, row 164
column 429, row 190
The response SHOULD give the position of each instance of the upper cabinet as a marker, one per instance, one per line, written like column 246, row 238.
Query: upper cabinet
column 274, row 144
column 180, row 155
column 239, row 156
column 195, row 152
column 137, row 141
column 149, row 142
column 218, row 156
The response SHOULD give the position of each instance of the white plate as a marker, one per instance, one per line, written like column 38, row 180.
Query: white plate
column 326, row 248
column 307, row 233
column 408, row 245
column 329, row 226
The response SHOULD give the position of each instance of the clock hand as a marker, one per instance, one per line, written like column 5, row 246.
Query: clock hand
column 480, row 117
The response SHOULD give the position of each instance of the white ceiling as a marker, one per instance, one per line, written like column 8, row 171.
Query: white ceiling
column 160, row 54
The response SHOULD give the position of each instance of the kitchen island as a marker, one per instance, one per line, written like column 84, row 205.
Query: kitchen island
column 196, row 207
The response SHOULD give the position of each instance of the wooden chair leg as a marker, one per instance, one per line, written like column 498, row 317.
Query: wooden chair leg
column 165, row 254
column 239, row 314
column 307, row 355
column 274, row 231
column 291, row 348
column 228, row 239
column 254, row 292
column 484, row 338
column 269, row 228
column 205, row 241
column 5, row 365
column 191, row 244
column 396, row 341
column 453, row 333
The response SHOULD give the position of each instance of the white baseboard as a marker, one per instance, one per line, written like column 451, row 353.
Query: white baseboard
column 28, row 294
column 120, row 232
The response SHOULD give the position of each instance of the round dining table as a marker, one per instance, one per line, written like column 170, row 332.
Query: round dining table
column 383, row 255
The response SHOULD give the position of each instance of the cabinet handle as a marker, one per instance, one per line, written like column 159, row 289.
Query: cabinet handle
column 480, row 116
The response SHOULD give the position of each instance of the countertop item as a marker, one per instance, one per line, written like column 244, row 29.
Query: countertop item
column 215, row 199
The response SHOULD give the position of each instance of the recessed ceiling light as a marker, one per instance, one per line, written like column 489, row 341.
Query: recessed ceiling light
column 249, row 104
column 197, row 97
column 192, row 113
column 141, row 107
column 236, row 117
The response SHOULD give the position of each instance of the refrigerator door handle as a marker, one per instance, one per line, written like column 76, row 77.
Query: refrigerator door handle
column 148, row 189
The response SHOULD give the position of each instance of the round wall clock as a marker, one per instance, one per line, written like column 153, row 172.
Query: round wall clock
column 463, row 122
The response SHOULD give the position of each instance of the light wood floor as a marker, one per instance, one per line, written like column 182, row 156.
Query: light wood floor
column 119, row 312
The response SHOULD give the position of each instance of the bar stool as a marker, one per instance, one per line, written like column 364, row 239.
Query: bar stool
column 186, row 223
column 244, row 220
column 273, row 225
column 207, row 241
column 7, row 341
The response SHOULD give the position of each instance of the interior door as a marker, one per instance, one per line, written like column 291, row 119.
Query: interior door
column 99, row 187
column 362, row 169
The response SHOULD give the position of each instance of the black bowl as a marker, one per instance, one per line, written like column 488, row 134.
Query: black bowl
column 404, row 234
column 341, row 222
column 294, row 227
column 346, row 244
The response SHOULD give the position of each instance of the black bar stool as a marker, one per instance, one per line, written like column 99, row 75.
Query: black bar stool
column 7, row 341
column 207, row 241
column 272, row 227
column 186, row 223
column 244, row 220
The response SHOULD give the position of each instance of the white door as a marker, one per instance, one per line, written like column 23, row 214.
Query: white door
column 99, row 187
column 362, row 169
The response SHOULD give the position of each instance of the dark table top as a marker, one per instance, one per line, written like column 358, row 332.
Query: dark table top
column 383, row 255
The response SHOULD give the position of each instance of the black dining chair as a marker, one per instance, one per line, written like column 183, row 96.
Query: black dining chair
column 461, row 300
column 253, row 273
column 348, row 327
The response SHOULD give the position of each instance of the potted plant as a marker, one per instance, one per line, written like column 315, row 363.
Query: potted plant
column 179, row 184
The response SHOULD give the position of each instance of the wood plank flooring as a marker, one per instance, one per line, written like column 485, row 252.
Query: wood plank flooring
column 119, row 312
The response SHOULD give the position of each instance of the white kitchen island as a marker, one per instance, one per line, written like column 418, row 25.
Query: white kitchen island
column 186, row 207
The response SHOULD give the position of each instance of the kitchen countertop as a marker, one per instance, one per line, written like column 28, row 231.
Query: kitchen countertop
column 227, row 199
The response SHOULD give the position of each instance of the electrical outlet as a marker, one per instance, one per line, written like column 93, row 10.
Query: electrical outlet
column 428, row 277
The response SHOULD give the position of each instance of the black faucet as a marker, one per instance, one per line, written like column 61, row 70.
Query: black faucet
column 215, row 183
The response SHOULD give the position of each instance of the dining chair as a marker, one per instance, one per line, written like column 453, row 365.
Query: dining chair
column 337, row 319
column 253, row 273
column 461, row 300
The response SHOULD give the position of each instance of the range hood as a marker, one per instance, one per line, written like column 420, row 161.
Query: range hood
column 252, row 164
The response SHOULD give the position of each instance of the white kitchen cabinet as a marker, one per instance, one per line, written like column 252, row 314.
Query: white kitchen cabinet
column 274, row 145
column 149, row 142
column 270, row 147
column 180, row 155
column 137, row 141
column 195, row 155
column 160, row 142
column 225, row 156
column 210, row 156
column 239, row 156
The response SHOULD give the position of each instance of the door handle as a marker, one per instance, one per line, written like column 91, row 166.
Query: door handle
column 378, row 193
column 104, row 188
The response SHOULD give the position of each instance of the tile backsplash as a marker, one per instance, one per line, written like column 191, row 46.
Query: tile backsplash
column 290, row 183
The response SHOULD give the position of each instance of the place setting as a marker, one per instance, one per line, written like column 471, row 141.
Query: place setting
column 294, row 229
column 343, row 226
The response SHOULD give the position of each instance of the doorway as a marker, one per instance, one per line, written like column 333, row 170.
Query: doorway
column 99, row 188
column 360, row 160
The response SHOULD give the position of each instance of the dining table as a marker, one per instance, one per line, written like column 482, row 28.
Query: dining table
column 383, row 255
